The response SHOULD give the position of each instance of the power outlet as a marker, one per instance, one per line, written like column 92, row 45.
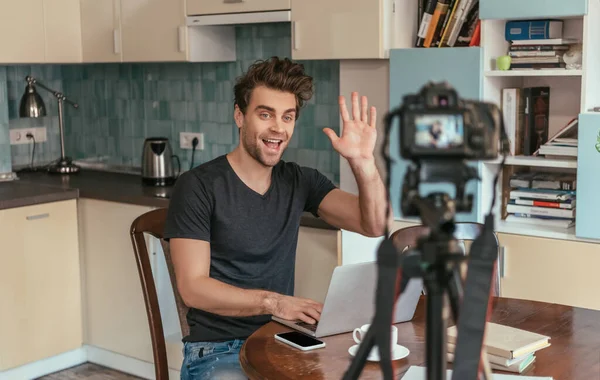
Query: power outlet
column 185, row 140
column 19, row 135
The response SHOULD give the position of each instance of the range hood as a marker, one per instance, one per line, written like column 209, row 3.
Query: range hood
column 239, row 18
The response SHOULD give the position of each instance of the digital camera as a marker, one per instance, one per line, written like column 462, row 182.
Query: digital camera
column 437, row 124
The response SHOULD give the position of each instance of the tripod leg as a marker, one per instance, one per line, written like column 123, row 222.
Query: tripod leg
column 436, row 319
column 455, row 294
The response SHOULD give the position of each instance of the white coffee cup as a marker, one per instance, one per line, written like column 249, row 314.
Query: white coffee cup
column 359, row 333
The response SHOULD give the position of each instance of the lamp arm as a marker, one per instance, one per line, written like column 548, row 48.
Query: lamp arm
column 58, row 95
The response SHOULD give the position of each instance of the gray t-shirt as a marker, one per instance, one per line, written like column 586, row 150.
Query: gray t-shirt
column 252, row 237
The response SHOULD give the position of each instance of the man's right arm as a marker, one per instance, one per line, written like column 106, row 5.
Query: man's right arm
column 191, row 262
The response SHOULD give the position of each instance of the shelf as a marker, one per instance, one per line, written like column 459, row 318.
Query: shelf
column 534, row 73
column 543, row 232
column 536, row 161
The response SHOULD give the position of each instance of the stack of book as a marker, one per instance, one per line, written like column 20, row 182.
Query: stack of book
column 507, row 348
column 536, row 44
column 542, row 199
column 563, row 144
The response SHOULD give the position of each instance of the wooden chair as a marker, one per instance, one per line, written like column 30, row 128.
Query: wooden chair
column 407, row 237
column 152, row 223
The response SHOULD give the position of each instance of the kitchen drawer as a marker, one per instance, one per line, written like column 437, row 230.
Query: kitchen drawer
column 205, row 7
column 534, row 9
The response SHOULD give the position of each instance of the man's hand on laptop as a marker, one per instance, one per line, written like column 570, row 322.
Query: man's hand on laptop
column 294, row 308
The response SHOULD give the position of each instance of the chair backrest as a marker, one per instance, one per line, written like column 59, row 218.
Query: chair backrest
column 152, row 223
column 407, row 237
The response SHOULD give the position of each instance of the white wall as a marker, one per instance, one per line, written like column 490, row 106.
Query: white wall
column 370, row 78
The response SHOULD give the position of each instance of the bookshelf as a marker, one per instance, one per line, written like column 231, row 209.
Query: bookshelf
column 572, row 92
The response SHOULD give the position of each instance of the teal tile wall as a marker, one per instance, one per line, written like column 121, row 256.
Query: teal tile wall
column 51, row 76
column 122, row 104
column 5, row 157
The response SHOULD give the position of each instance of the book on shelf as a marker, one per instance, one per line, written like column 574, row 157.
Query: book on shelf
column 448, row 23
column 515, row 30
column 543, row 180
column 537, row 44
column 543, row 194
column 542, row 199
column 526, row 114
column 562, row 143
column 540, row 221
column 506, row 341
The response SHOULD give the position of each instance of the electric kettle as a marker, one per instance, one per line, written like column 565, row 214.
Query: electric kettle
column 157, row 162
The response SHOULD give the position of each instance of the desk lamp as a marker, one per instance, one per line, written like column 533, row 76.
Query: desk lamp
column 32, row 105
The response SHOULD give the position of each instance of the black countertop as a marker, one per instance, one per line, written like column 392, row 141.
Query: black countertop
column 42, row 187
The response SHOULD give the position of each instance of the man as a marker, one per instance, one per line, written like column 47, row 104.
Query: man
column 233, row 222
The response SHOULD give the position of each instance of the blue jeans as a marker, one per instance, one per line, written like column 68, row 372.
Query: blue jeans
column 212, row 360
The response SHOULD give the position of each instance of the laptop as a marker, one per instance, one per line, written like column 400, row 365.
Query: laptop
column 350, row 301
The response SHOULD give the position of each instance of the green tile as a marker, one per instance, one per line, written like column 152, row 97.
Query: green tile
column 208, row 90
column 178, row 110
column 176, row 90
column 306, row 137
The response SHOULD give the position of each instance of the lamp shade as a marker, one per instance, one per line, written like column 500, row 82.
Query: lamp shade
column 32, row 104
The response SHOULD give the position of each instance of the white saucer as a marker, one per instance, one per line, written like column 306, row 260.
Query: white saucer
column 398, row 352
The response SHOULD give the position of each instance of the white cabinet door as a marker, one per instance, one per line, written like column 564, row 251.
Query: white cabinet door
column 22, row 31
column 204, row 7
column 62, row 21
column 550, row 270
column 114, row 304
column 101, row 30
column 338, row 29
column 40, row 287
column 153, row 30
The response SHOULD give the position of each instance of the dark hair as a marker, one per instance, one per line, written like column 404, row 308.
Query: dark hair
column 277, row 74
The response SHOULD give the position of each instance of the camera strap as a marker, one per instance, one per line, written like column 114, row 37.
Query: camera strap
column 475, row 307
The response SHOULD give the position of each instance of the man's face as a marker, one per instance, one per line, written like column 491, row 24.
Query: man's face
column 267, row 127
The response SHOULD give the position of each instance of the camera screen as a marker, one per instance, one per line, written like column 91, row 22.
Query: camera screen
column 439, row 131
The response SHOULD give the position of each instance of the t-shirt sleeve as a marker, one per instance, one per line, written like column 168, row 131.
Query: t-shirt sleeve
column 190, row 210
column 317, row 187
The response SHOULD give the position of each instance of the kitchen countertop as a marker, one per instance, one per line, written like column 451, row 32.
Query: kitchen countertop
column 41, row 187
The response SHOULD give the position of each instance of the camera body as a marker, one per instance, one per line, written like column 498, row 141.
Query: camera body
column 437, row 124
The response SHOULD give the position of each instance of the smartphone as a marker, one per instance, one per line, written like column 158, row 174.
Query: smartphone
column 300, row 341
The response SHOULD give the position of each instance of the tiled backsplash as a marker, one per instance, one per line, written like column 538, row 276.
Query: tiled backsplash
column 121, row 104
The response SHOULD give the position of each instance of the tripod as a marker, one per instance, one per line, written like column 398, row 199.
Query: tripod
column 436, row 259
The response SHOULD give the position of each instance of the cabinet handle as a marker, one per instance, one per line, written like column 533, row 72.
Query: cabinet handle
column 295, row 35
column 233, row 1
column 38, row 216
column 181, row 35
column 116, row 42
column 501, row 261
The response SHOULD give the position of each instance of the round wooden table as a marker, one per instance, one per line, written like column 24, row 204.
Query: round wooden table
column 574, row 353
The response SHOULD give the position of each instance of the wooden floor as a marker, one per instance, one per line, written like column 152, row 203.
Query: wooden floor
column 89, row 371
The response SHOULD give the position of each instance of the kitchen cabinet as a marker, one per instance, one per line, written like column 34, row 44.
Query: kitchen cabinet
column 22, row 31
column 62, row 21
column 317, row 255
column 206, row 7
column 153, row 30
column 551, row 270
column 40, row 291
column 101, row 30
column 115, row 315
column 40, row 31
column 340, row 29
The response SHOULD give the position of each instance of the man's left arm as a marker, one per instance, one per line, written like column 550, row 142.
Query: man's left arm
column 365, row 213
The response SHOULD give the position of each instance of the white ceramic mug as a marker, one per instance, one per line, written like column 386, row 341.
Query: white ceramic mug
column 359, row 333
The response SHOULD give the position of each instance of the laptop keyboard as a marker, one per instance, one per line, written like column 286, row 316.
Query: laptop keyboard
column 308, row 325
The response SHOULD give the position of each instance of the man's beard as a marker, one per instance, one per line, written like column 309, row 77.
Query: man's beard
column 251, row 145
